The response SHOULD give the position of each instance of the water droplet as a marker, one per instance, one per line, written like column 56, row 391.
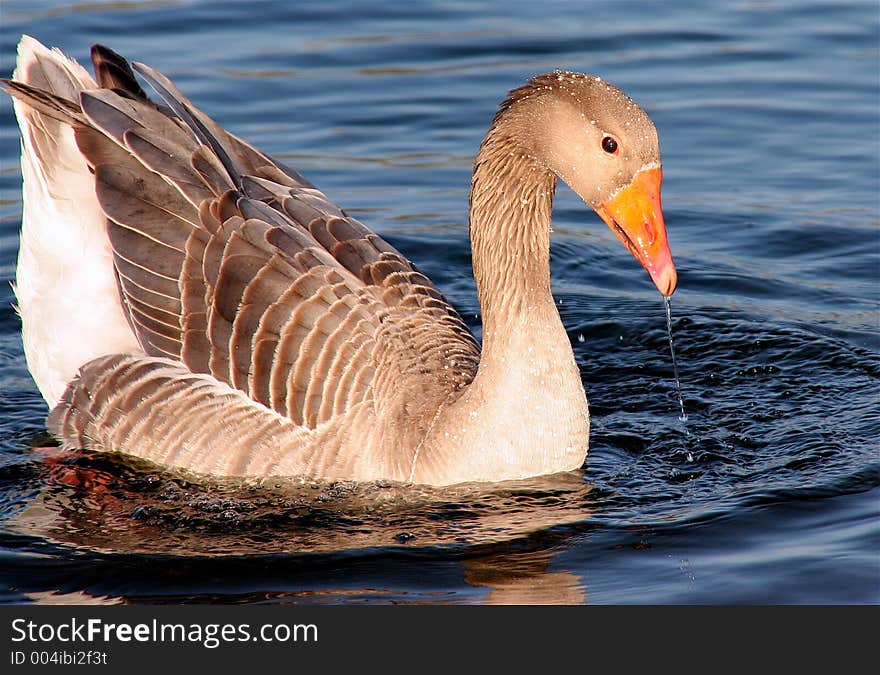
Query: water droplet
column 581, row 337
column 683, row 415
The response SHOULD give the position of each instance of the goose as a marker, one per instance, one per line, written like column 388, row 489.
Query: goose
column 189, row 300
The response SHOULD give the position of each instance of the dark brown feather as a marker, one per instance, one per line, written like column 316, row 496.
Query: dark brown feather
column 113, row 72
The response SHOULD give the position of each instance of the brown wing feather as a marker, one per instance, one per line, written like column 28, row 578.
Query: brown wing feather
column 238, row 267
column 158, row 410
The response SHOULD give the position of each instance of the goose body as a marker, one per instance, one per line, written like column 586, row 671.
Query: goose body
column 187, row 299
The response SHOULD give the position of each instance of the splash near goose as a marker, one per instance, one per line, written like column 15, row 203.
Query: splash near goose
column 187, row 299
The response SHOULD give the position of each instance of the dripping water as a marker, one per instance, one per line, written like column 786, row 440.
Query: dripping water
column 683, row 415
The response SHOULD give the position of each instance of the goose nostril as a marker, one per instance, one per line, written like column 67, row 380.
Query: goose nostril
column 650, row 232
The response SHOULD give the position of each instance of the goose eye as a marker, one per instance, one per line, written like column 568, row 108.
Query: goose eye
column 609, row 145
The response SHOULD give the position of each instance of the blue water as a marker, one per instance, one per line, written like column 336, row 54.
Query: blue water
column 768, row 120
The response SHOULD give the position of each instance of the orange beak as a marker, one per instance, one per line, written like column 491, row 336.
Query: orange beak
column 634, row 214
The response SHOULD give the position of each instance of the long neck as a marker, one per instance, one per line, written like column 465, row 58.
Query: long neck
column 525, row 412
column 510, row 207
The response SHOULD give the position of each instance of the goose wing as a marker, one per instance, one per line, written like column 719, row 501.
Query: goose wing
column 239, row 268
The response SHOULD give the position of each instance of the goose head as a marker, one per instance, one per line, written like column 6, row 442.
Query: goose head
column 605, row 147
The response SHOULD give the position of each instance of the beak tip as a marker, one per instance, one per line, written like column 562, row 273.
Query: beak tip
column 666, row 281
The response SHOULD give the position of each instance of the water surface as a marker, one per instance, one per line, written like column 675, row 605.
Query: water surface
column 768, row 120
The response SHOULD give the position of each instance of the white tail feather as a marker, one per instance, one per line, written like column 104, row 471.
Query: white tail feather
column 65, row 284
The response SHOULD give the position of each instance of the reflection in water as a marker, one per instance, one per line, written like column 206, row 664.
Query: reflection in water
column 74, row 598
column 522, row 578
column 165, row 531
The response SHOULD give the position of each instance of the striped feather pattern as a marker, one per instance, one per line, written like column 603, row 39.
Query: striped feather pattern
column 259, row 304
column 171, row 416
